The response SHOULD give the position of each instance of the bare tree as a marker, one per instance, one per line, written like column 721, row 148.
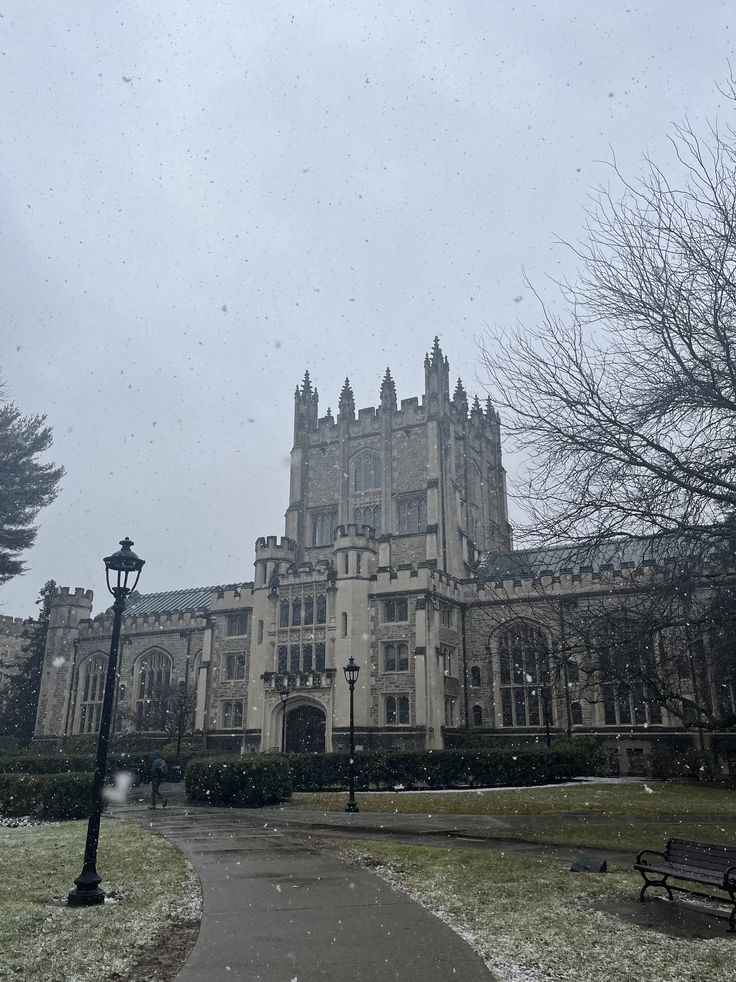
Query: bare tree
column 624, row 400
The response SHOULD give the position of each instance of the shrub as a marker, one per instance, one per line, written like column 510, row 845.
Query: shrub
column 689, row 764
column 8, row 745
column 53, row 797
column 240, row 781
column 445, row 768
column 65, row 763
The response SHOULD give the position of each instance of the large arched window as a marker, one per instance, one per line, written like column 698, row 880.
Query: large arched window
column 153, row 690
column 367, row 473
column 523, row 663
column 90, row 690
column 623, row 654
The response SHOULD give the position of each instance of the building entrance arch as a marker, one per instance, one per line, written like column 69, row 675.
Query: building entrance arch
column 305, row 730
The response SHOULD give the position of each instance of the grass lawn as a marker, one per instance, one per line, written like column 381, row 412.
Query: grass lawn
column 158, row 906
column 533, row 921
column 617, row 834
column 589, row 799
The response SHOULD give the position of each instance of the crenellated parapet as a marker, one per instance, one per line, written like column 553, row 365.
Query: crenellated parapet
column 229, row 597
column 355, row 537
column 12, row 626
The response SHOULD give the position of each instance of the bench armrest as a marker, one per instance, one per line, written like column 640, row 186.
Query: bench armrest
column 649, row 852
column 729, row 878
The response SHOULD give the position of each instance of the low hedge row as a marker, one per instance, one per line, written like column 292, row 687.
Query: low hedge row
column 74, row 763
column 439, row 768
column 246, row 782
column 53, row 797
column 260, row 779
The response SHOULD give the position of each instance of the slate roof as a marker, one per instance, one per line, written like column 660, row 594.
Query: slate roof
column 521, row 564
column 175, row 601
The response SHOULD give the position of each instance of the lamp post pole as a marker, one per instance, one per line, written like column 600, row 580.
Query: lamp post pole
column 123, row 564
column 351, row 675
column 284, row 696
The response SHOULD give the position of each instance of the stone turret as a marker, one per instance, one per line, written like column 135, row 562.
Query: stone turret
column 68, row 609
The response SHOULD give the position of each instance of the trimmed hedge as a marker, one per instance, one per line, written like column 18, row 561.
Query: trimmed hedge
column 74, row 763
column 439, row 769
column 240, row 781
column 53, row 797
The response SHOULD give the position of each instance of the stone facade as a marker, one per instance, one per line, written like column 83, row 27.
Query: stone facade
column 393, row 512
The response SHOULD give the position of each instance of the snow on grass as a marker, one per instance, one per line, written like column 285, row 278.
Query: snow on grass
column 533, row 921
column 155, row 889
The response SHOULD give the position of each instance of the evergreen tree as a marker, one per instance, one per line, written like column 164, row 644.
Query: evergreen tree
column 20, row 701
column 26, row 484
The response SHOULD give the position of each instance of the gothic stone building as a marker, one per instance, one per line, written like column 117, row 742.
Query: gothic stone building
column 396, row 518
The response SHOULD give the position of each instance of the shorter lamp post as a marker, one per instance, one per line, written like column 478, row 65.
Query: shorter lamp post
column 284, row 696
column 351, row 675
column 123, row 570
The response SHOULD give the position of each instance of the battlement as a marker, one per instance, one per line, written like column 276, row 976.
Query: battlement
column 238, row 595
column 306, row 572
column 78, row 596
column 12, row 626
column 358, row 536
column 271, row 544
column 142, row 623
column 564, row 581
column 408, row 577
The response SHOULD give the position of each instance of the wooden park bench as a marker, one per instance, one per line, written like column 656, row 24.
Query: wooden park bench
column 703, row 863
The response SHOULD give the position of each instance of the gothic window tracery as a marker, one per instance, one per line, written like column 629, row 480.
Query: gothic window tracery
column 367, row 475
column 91, row 688
column 153, row 685
column 622, row 658
column 524, row 676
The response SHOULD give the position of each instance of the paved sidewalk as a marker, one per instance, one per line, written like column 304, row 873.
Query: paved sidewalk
column 279, row 908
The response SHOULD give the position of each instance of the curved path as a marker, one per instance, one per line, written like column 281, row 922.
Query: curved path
column 280, row 908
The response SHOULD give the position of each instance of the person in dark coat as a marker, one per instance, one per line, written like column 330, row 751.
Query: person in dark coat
column 159, row 773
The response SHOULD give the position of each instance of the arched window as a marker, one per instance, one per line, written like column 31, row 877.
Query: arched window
column 523, row 657
column 475, row 675
column 90, row 690
column 153, row 690
column 367, row 475
column 624, row 654
column 477, row 716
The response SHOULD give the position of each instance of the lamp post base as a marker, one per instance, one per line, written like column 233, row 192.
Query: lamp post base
column 352, row 806
column 85, row 898
column 87, row 891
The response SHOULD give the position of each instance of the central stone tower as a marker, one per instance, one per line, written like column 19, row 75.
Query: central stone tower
column 427, row 477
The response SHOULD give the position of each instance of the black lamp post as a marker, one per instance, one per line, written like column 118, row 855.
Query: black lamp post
column 351, row 675
column 123, row 570
column 283, row 695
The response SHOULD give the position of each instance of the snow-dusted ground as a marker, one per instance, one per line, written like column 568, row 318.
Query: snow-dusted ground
column 533, row 921
column 520, row 787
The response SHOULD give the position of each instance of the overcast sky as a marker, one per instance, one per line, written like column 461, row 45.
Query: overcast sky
column 201, row 200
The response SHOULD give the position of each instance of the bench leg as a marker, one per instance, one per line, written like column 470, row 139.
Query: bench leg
column 657, row 883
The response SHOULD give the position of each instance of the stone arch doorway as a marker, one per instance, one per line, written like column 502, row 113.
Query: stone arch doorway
column 305, row 730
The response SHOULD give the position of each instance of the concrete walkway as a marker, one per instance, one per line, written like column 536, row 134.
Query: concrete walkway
column 280, row 908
